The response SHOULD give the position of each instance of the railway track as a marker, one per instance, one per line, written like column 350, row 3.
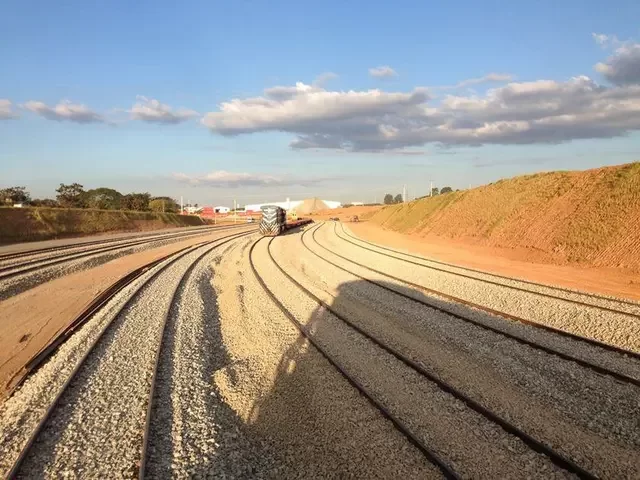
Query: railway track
column 4, row 257
column 34, row 264
column 631, row 358
column 492, row 277
column 560, row 460
column 102, row 356
column 115, row 406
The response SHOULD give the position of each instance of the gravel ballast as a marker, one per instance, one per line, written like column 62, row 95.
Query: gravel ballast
column 194, row 434
column 619, row 329
column 292, row 399
column 586, row 416
column 240, row 393
column 97, row 426
column 15, row 285
column 431, row 414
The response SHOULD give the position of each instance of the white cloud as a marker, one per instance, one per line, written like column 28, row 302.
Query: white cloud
column 384, row 71
column 543, row 111
column 65, row 110
column 152, row 111
column 6, row 112
column 222, row 178
column 305, row 107
column 623, row 67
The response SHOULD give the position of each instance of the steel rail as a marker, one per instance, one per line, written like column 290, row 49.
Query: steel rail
column 491, row 282
column 166, row 318
column 597, row 368
column 172, row 258
column 40, row 263
column 432, row 456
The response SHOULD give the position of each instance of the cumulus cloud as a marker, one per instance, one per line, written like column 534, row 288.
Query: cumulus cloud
column 152, row 111
column 222, row 178
column 6, row 111
column 623, row 67
column 65, row 110
column 543, row 111
column 384, row 71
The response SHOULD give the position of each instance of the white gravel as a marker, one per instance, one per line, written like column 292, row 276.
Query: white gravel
column 97, row 427
column 194, row 433
column 570, row 294
column 431, row 414
column 587, row 416
column 292, row 400
column 614, row 328
column 17, row 284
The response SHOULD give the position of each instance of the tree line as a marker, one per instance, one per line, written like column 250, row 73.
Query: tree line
column 389, row 199
column 75, row 196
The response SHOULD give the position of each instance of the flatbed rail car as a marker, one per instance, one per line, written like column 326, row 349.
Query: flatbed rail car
column 274, row 221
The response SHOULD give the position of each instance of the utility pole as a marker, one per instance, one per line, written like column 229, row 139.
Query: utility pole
column 181, row 206
column 404, row 193
column 235, row 212
column 431, row 189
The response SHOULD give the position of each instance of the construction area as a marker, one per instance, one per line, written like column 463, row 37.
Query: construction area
column 261, row 350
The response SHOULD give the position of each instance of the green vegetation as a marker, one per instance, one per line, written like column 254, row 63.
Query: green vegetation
column 103, row 198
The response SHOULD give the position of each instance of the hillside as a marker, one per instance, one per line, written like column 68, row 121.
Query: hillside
column 30, row 224
column 589, row 217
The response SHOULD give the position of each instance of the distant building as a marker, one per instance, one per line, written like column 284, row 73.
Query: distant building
column 357, row 204
column 287, row 205
column 221, row 209
column 192, row 210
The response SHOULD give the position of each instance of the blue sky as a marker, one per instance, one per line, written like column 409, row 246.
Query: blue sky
column 179, row 98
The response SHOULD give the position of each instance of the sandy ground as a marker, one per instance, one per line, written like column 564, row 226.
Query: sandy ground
column 607, row 281
column 343, row 213
column 29, row 321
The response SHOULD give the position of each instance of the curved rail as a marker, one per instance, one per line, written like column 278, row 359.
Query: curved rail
column 597, row 368
column 39, row 263
column 503, row 277
column 88, row 243
column 172, row 258
column 160, row 340
column 433, row 457
column 530, row 441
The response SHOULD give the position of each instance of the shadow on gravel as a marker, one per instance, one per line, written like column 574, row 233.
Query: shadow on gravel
column 321, row 424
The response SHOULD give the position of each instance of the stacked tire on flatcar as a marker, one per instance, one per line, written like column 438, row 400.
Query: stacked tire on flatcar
column 274, row 221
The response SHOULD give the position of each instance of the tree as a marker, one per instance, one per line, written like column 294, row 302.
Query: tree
column 103, row 198
column 446, row 190
column 71, row 196
column 398, row 198
column 135, row 201
column 434, row 191
column 164, row 204
column 45, row 202
column 14, row 195
column 388, row 199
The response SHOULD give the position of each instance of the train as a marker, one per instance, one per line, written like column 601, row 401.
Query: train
column 274, row 221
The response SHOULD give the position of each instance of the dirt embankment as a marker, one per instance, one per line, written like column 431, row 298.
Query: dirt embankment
column 587, row 217
column 30, row 224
